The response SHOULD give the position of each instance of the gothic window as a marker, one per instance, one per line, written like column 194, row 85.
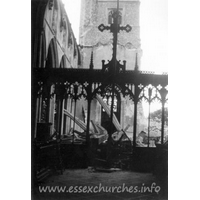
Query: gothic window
column 108, row 100
column 110, row 17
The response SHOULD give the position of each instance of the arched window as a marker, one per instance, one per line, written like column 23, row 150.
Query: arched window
column 63, row 62
column 110, row 16
column 52, row 56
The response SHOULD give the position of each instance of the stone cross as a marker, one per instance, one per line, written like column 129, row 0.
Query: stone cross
column 114, row 28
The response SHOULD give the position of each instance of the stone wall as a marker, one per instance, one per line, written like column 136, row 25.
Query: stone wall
column 94, row 13
column 57, row 26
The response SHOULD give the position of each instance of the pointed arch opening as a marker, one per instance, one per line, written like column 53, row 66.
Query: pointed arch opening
column 52, row 56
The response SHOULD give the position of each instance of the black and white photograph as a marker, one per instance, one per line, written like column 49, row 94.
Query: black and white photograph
column 99, row 99
column 85, row 97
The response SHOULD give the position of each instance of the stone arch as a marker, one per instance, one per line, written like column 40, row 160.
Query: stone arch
column 42, row 51
column 52, row 55
column 63, row 63
column 37, row 17
column 110, row 16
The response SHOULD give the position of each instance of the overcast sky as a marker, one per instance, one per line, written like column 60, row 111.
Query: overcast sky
column 153, row 26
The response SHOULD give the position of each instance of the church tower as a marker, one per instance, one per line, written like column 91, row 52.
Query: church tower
column 96, row 12
column 99, row 44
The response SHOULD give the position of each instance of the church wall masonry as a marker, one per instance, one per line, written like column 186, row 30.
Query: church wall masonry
column 94, row 13
column 56, row 47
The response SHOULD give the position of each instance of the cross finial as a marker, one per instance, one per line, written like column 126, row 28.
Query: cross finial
column 114, row 28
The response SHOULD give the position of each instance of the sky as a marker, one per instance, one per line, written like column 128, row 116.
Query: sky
column 154, row 26
column 153, row 31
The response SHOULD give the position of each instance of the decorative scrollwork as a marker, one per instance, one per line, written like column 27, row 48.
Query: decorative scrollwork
column 149, row 94
column 76, row 90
